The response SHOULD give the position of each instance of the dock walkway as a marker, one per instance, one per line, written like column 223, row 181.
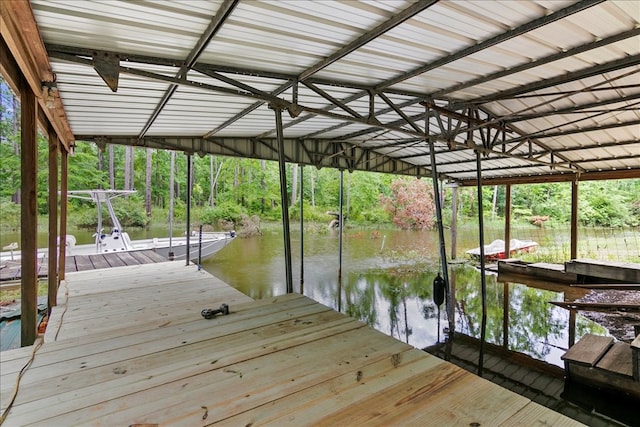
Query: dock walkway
column 11, row 270
column 129, row 346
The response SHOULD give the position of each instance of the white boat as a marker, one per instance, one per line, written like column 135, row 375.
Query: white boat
column 203, row 245
column 496, row 250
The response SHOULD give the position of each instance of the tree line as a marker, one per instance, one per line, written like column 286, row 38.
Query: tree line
column 227, row 189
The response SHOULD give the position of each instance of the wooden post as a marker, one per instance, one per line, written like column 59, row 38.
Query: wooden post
column 574, row 219
column 454, row 220
column 29, row 216
column 507, row 223
column 64, row 179
column 572, row 328
column 53, row 220
column 506, row 303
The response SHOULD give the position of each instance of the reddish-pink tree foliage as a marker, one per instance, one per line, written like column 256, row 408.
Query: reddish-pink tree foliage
column 411, row 204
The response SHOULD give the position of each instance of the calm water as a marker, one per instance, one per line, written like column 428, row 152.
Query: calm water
column 383, row 285
column 386, row 282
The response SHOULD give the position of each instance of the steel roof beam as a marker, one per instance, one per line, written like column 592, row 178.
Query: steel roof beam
column 539, row 135
column 612, row 144
column 319, row 153
column 332, row 100
column 387, row 25
column 628, row 61
column 536, row 63
column 216, row 23
column 577, row 7
column 523, row 29
column 576, row 109
column 609, row 88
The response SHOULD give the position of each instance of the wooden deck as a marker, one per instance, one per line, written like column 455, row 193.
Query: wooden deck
column 128, row 346
column 11, row 270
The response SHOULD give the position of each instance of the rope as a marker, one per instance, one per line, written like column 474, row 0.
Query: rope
column 36, row 346
column 38, row 343
column 66, row 304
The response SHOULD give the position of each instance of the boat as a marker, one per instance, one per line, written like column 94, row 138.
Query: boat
column 496, row 250
column 202, row 245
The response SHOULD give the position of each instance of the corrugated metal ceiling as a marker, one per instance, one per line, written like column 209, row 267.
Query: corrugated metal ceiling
column 541, row 87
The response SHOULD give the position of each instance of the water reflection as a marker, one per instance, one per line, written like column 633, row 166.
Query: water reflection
column 391, row 290
column 387, row 281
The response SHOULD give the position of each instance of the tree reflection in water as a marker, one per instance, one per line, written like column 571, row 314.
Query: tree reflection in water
column 399, row 301
column 391, row 291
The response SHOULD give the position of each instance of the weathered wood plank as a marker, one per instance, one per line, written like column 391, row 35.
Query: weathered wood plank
column 618, row 360
column 622, row 271
column 126, row 258
column 588, row 350
column 113, row 260
column 70, row 264
column 596, row 306
column 98, row 261
column 155, row 256
column 83, row 263
column 141, row 256
column 609, row 286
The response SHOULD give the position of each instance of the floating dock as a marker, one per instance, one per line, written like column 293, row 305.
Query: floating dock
column 600, row 362
column 128, row 346
column 574, row 271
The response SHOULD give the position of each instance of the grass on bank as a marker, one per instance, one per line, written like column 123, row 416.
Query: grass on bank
column 11, row 294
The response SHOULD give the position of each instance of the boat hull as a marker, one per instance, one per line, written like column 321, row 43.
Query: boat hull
column 211, row 243
column 496, row 249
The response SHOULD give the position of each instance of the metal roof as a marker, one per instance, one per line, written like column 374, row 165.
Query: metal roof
column 539, row 87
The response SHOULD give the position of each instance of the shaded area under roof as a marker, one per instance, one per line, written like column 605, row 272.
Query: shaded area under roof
column 542, row 90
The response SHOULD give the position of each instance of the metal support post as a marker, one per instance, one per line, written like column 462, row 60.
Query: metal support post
column 187, row 248
column 301, row 232
column 340, row 226
column 283, row 199
column 483, row 278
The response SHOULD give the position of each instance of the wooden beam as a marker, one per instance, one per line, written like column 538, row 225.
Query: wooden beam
column 53, row 220
column 565, row 177
column 596, row 306
column 21, row 37
column 29, row 216
column 609, row 286
column 574, row 220
column 64, row 174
